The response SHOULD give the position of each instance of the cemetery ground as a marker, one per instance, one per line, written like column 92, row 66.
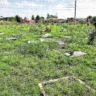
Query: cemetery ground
column 29, row 56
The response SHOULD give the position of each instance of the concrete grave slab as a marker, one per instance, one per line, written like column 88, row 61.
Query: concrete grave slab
column 12, row 38
column 41, row 85
column 78, row 53
column 75, row 54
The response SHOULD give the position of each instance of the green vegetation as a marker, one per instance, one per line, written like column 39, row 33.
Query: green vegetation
column 67, row 87
column 23, row 65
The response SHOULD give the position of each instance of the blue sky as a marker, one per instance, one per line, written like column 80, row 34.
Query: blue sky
column 63, row 8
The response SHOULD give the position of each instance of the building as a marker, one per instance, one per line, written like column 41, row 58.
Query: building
column 28, row 21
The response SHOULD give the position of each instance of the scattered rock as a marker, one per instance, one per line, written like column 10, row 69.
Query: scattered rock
column 47, row 35
column 1, row 33
column 42, row 40
column 61, row 43
column 31, row 42
column 67, row 54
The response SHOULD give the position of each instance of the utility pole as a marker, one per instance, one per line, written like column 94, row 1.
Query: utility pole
column 75, row 9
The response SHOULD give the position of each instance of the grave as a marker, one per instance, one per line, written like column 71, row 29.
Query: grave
column 12, row 38
column 68, row 80
column 75, row 54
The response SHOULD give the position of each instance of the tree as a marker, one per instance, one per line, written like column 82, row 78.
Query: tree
column 33, row 18
column 52, row 17
column 18, row 18
column 48, row 16
column 25, row 18
column 37, row 18
column 1, row 16
column 42, row 20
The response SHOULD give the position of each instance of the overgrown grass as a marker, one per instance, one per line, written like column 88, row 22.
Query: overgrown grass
column 23, row 65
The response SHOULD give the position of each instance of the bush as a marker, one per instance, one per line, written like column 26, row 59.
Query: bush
column 38, row 49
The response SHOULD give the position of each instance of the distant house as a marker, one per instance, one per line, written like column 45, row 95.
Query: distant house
column 59, row 20
column 28, row 21
column 71, row 21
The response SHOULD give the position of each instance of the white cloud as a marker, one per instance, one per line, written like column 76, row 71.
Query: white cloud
column 51, row 1
column 86, row 8
column 63, row 10
column 60, row 6
column 27, row 4
column 4, row 2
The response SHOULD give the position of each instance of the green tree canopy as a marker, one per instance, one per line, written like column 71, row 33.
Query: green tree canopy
column 33, row 18
column 18, row 18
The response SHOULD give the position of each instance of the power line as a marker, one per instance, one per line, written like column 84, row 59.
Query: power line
column 75, row 9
